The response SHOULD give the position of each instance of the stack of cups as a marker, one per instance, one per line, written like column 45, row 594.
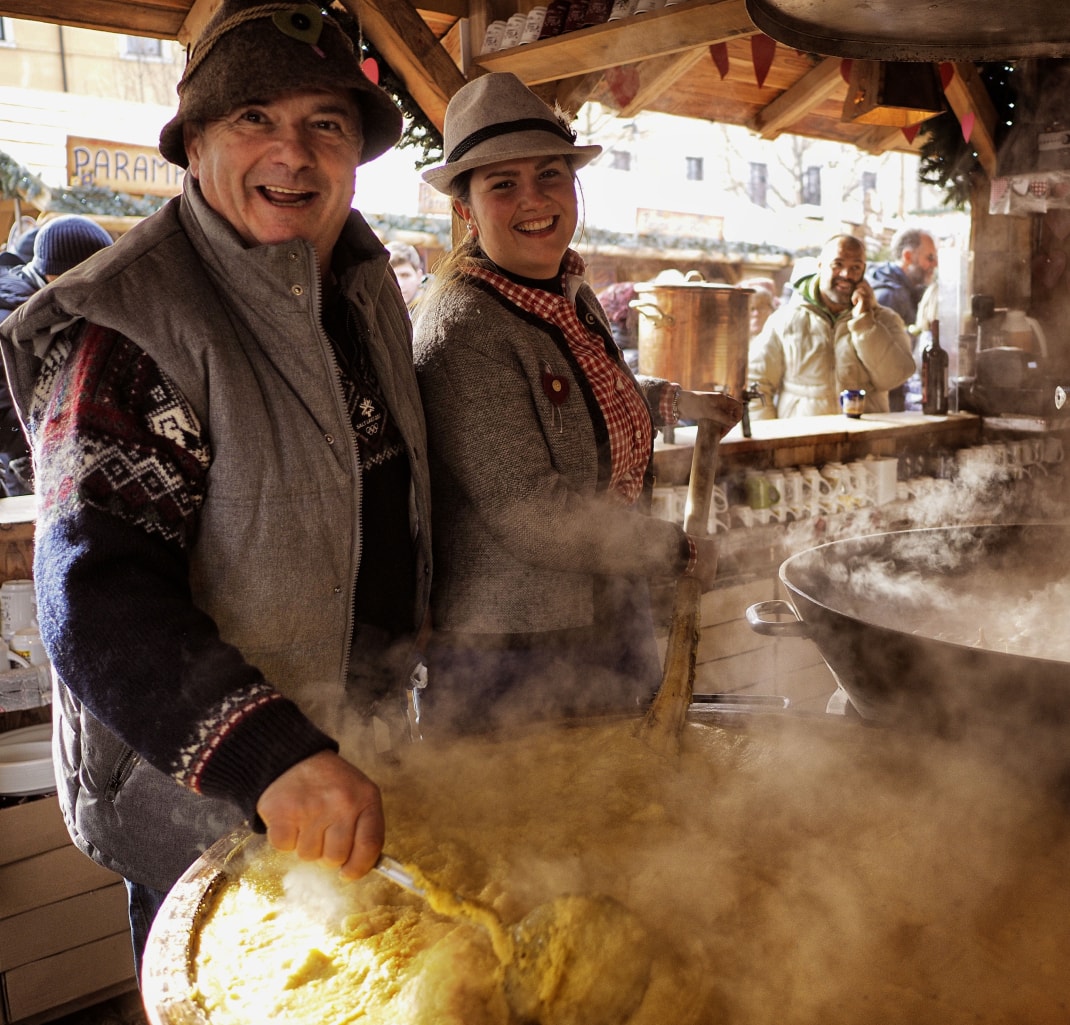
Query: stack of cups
column 18, row 625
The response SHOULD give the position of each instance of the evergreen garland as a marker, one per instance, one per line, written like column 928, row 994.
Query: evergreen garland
column 947, row 159
column 419, row 132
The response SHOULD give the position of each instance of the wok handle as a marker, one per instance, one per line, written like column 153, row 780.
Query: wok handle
column 762, row 617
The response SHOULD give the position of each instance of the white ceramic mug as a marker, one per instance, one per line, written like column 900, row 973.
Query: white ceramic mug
column 794, row 494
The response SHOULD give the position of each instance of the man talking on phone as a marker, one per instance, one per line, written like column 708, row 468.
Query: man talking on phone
column 831, row 335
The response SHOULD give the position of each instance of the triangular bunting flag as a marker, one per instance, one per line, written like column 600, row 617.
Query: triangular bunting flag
column 719, row 53
column 967, row 122
column 762, row 49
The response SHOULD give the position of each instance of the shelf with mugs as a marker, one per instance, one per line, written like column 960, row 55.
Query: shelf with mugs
column 686, row 25
column 819, row 439
column 761, row 516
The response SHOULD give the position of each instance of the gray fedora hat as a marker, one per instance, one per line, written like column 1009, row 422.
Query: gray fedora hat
column 252, row 50
column 496, row 117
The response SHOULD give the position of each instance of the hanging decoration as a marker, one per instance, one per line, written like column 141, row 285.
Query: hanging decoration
column 762, row 51
column 947, row 158
column 967, row 122
column 719, row 53
column 419, row 132
column 623, row 83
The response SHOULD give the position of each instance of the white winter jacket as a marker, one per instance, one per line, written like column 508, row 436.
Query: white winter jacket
column 805, row 355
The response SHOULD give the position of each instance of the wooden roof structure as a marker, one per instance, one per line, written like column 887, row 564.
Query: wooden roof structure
column 698, row 58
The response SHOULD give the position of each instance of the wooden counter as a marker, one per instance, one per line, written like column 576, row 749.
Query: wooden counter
column 807, row 440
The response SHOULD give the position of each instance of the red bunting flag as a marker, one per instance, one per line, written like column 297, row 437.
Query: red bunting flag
column 623, row 84
column 910, row 132
column 845, row 69
column 947, row 72
column 719, row 53
column 967, row 123
column 370, row 67
column 762, row 49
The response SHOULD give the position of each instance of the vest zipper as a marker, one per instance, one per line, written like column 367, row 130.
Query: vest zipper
column 120, row 774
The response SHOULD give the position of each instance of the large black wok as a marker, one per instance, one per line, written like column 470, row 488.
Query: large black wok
column 928, row 627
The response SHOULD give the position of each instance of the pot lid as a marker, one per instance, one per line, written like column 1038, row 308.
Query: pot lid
column 920, row 30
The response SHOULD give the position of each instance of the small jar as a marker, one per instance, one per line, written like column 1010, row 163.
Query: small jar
column 514, row 29
column 536, row 16
column 852, row 402
column 492, row 39
column 554, row 22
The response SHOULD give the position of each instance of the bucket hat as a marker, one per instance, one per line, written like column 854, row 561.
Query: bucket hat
column 255, row 50
column 496, row 117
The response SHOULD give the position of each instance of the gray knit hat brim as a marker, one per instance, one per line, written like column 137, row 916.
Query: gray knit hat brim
column 255, row 60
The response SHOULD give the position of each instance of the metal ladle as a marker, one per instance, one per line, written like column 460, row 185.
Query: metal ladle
column 576, row 960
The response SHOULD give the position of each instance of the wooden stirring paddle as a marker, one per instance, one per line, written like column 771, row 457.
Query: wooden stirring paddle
column 664, row 721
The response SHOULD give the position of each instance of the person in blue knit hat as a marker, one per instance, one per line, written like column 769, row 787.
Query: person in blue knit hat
column 58, row 245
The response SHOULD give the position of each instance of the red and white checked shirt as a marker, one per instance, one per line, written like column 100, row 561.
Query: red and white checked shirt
column 627, row 416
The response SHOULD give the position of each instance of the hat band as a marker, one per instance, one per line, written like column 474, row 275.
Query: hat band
column 525, row 124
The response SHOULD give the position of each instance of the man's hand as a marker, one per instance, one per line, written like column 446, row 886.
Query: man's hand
column 326, row 810
column 862, row 299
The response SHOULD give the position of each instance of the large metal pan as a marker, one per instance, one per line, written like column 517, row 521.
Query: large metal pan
column 913, row 623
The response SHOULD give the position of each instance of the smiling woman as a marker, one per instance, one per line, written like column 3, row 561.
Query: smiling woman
column 541, row 440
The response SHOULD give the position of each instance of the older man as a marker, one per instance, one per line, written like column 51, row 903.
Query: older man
column 900, row 282
column 229, row 441
column 832, row 334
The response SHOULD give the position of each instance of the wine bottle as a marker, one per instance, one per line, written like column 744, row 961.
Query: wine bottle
column 934, row 369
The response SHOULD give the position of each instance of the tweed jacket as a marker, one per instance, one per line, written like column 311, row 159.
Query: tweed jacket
column 523, row 520
column 277, row 545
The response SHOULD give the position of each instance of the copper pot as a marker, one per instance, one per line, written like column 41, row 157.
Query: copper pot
column 694, row 333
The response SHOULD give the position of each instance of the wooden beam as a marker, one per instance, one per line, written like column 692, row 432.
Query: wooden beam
column 816, row 86
column 570, row 93
column 657, row 76
column 161, row 19
column 411, row 49
column 967, row 95
column 454, row 8
column 683, row 26
column 197, row 18
column 882, row 138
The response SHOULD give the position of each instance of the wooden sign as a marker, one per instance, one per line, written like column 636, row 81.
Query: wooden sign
column 121, row 167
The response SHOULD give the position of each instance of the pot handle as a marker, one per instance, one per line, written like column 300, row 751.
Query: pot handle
column 762, row 617
column 651, row 310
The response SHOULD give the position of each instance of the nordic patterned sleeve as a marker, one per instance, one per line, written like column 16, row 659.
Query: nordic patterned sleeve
column 121, row 469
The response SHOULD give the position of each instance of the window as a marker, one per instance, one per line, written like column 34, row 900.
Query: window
column 869, row 181
column 620, row 160
column 811, row 186
column 758, row 184
column 694, row 169
column 143, row 46
column 7, row 37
